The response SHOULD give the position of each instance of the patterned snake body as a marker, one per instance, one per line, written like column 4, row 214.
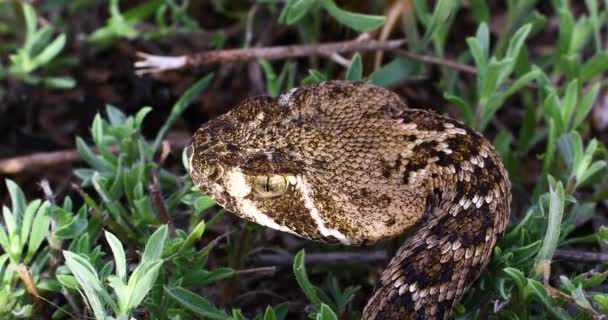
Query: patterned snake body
column 349, row 163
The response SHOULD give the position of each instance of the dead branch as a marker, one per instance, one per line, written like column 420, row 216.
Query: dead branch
column 326, row 258
column 581, row 256
column 155, row 64
column 438, row 61
column 51, row 159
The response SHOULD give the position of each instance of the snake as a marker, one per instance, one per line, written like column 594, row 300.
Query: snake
column 350, row 163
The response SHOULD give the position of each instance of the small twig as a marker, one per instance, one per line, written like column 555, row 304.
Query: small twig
column 261, row 270
column 155, row 191
column 155, row 64
column 30, row 287
column 50, row 159
column 43, row 159
column 326, row 258
column 581, row 256
column 544, row 268
column 249, row 24
column 46, row 189
column 438, row 61
column 397, row 9
column 66, row 294
column 253, row 293
column 339, row 59
column 241, row 251
column 449, row 64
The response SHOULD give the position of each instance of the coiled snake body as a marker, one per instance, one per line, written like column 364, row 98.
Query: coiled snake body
column 349, row 163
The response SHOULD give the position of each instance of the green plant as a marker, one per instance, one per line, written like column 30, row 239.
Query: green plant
column 80, row 256
column 170, row 17
column 129, row 293
column 39, row 51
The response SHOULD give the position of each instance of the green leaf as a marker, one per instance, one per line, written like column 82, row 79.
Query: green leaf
column 140, row 116
column 88, row 280
column 37, row 43
column 18, row 203
column 95, row 161
column 196, row 234
column 480, row 10
column 67, row 281
column 316, row 75
column 4, row 242
column 595, row 66
column 28, row 218
column 269, row 314
column 299, row 270
column 10, row 223
column 155, row 245
column 355, row 70
column 494, row 78
column 517, row 41
column 203, row 203
column 585, row 106
column 29, row 15
column 73, row 228
column 466, row 108
column 569, row 102
column 581, row 300
column 523, row 254
column 523, row 81
column 204, row 277
column 356, row 21
column 566, row 28
column 179, row 107
column 115, row 115
column 393, row 72
column 272, row 82
column 59, row 82
column 51, row 51
column 482, row 49
column 119, row 256
column 518, row 276
column 536, row 288
column 554, row 219
column 141, row 281
column 441, row 13
column 295, row 10
column 326, row 313
column 602, row 300
column 40, row 229
column 196, row 303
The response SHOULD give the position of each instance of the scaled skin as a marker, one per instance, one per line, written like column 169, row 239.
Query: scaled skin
column 361, row 167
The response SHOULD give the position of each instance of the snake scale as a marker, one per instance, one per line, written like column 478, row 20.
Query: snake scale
column 350, row 163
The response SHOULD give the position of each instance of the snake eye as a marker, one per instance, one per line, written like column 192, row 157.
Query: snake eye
column 270, row 186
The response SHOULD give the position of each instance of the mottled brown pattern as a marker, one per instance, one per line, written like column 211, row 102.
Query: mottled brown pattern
column 363, row 168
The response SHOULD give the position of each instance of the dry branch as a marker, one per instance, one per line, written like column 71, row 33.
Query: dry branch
column 154, row 64
column 380, row 256
column 51, row 159
column 327, row 258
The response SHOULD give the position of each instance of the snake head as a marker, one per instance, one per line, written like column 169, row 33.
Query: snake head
column 313, row 162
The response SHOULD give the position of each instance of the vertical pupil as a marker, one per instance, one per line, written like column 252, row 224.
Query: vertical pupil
column 267, row 184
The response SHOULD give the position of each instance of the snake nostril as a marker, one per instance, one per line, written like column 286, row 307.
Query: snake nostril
column 213, row 171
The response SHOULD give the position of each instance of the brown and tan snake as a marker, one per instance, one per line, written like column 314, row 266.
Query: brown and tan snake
column 349, row 163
